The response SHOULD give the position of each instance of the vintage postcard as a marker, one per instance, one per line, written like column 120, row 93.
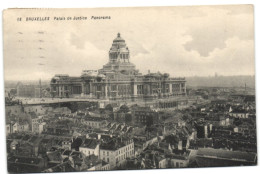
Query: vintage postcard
column 129, row 88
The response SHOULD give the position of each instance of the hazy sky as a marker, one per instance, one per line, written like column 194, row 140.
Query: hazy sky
column 183, row 41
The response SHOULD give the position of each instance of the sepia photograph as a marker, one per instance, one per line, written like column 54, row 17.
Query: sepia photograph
column 129, row 88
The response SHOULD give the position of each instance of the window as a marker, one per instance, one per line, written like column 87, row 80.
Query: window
column 181, row 164
column 108, row 160
column 114, row 87
column 99, row 88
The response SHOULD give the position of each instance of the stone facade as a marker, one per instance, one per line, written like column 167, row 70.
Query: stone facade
column 118, row 80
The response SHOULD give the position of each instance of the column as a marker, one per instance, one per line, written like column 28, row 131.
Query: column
column 83, row 89
column 170, row 88
column 180, row 88
column 105, row 90
column 59, row 91
column 148, row 89
column 90, row 89
column 185, row 89
column 135, row 89
column 63, row 89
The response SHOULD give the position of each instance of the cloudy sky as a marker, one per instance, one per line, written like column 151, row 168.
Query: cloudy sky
column 182, row 41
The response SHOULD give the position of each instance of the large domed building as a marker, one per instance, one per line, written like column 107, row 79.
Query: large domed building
column 119, row 56
column 118, row 80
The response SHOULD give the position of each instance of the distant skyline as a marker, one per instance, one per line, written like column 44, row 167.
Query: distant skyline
column 192, row 81
column 181, row 41
column 209, row 76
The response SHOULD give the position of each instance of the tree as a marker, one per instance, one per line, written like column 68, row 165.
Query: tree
column 13, row 92
column 124, row 108
column 109, row 107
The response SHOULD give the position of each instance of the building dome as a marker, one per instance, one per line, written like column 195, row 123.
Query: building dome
column 119, row 52
column 119, row 56
column 118, row 38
